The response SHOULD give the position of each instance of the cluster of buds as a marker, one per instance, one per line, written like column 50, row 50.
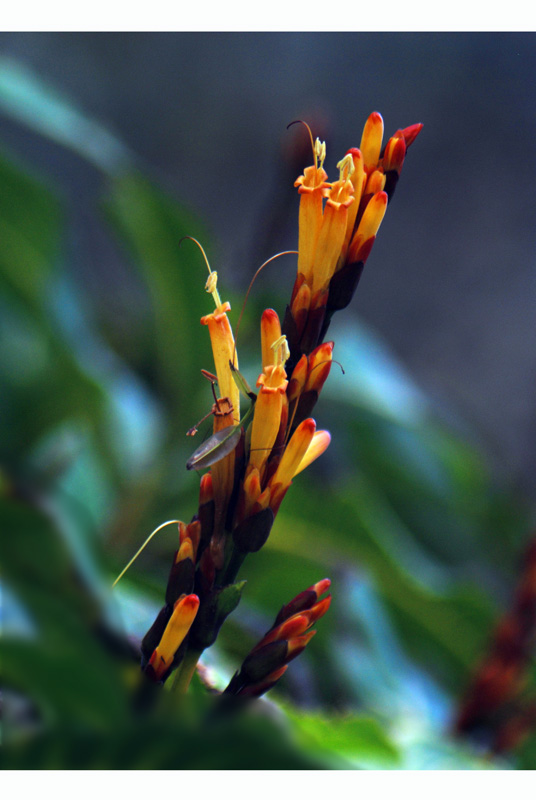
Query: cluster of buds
column 286, row 639
column 495, row 705
column 251, row 466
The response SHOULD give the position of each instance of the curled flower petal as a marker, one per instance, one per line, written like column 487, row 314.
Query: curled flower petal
column 319, row 444
column 294, row 453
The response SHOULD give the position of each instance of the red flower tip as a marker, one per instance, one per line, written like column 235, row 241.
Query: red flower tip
column 395, row 152
column 188, row 603
column 376, row 117
column 410, row 133
column 298, row 644
column 318, row 610
column 308, row 426
column 364, row 251
column 269, row 315
column 321, row 587
column 206, row 491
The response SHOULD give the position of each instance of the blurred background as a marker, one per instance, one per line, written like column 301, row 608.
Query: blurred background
column 113, row 147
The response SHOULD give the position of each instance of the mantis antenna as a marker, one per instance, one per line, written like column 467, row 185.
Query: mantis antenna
column 146, row 542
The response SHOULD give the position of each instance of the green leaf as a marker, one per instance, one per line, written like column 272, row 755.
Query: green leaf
column 30, row 233
column 344, row 741
column 28, row 99
column 229, row 598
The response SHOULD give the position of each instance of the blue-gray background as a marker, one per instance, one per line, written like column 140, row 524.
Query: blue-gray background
column 451, row 283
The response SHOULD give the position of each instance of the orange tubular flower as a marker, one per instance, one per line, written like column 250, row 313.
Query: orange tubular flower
column 312, row 189
column 333, row 230
column 228, row 406
column 184, row 613
column 270, row 333
column 295, row 451
column 223, row 347
column 267, row 417
column 273, row 386
column 294, row 460
column 365, row 235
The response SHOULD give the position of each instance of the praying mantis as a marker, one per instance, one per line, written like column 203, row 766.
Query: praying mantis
column 223, row 442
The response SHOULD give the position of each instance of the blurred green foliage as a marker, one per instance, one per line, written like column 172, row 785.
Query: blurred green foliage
column 401, row 513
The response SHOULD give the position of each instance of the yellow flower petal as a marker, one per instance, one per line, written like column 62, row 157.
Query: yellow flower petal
column 319, row 445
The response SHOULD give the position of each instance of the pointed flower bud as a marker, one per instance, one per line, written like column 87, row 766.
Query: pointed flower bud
column 298, row 379
column 251, row 490
column 297, row 645
column 303, row 601
column 191, row 534
column 319, row 366
column 290, row 461
column 394, row 154
column 319, row 444
column 371, row 220
column 184, row 613
column 273, row 386
column 410, row 133
column 185, row 551
column 206, row 493
column 300, row 305
column 375, row 182
column 270, row 333
column 358, row 178
column 371, row 141
column 206, row 509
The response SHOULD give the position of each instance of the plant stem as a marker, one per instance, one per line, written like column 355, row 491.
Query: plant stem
column 186, row 671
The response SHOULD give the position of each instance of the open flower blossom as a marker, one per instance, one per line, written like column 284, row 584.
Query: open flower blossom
column 338, row 226
column 252, row 460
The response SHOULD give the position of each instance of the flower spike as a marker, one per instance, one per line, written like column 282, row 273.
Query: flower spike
column 252, row 460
